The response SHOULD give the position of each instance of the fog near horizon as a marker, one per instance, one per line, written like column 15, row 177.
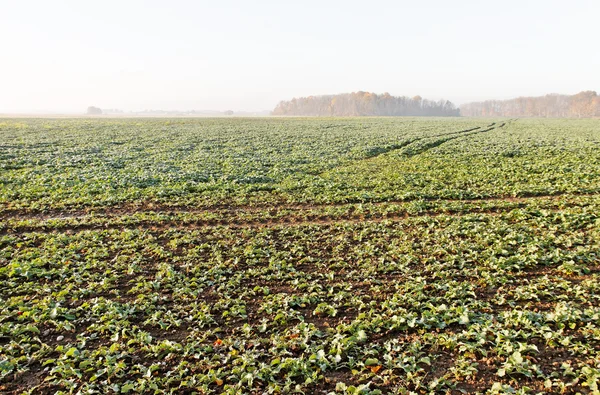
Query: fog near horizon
column 64, row 56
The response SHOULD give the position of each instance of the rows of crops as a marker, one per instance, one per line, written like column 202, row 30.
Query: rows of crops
column 367, row 255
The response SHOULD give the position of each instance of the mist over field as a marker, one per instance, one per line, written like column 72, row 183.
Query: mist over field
column 205, row 58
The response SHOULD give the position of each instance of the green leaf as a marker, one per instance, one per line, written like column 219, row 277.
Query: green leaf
column 371, row 362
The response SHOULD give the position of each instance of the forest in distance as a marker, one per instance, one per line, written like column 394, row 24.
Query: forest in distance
column 365, row 104
column 582, row 105
column 585, row 104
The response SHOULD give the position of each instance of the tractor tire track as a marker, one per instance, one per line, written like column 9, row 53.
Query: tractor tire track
column 156, row 208
column 396, row 147
column 454, row 136
column 300, row 218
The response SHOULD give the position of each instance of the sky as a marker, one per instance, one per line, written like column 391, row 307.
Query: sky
column 63, row 56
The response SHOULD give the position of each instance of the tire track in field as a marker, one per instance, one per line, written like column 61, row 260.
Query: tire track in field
column 454, row 136
column 293, row 219
column 407, row 151
column 157, row 208
column 451, row 135
column 395, row 147
column 437, row 143
column 402, row 145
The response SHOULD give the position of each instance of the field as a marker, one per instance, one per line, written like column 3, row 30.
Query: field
column 362, row 255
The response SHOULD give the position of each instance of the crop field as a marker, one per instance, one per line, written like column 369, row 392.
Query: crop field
column 315, row 256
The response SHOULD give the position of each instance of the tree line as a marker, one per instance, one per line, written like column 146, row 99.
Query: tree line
column 365, row 104
column 582, row 105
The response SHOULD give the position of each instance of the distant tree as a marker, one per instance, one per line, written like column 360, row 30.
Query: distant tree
column 91, row 110
column 228, row 112
column 364, row 104
column 582, row 105
column 112, row 111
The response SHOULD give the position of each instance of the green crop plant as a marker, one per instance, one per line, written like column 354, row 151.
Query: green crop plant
column 296, row 255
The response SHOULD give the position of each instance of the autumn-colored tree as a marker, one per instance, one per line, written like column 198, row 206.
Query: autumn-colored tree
column 364, row 104
column 583, row 104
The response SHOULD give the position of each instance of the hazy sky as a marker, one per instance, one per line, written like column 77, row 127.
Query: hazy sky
column 247, row 55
